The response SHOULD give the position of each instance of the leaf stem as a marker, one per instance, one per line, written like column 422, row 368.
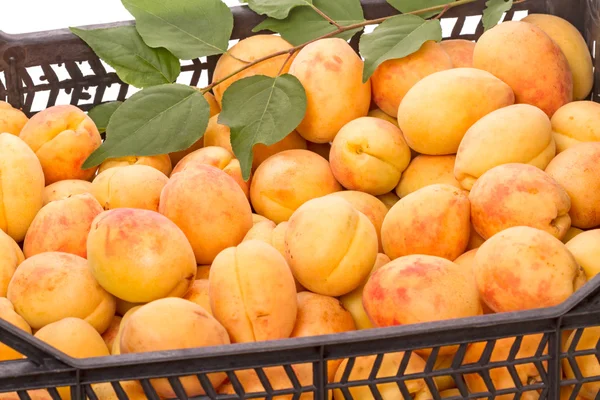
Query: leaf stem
column 322, row 14
column 285, row 62
column 236, row 58
column 340, row 29
column 442, row 12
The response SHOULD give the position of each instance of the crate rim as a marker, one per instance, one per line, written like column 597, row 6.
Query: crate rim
column 345, row 338
column 52, row 358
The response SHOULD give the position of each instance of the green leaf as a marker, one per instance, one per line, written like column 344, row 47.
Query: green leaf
column 134, row 62
column 101, row 114
column 304, row 24
column 406, row 6
column 157, row 120
column 261, row 109
column 493, row 12
column 188, row 28
column 278, row 9
column 396, row 37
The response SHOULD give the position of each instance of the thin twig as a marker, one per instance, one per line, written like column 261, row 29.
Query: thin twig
column 336, row 32
column 322, row 14
column 236, row 58
column 285, row 62
column 443, row 12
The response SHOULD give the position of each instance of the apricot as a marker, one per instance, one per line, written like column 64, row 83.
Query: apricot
column 437, row 111
column 12, row 120
column 76, row 338
column 420, row 223
column 40, row 394
column 278, row 242
column 252, row 292
column 256, row 218
column 377, row 113
column 353, row 300
column 577, row 169
column 585, row 247
column 278, row 380
column 160, row 162
column 248, row 50
column 261, row 151
column 190, row 326
column 322, row 315
column 420, row 288
column 278, row 237
column 194, row 200
column 588, row 365
column 501, row 377
column 198, row 293
column 8, row 314
column 460, row 52
column 289, row 179
column 133, row 186
column 369, row 154
column 367, row 204
column 214, row 110
column 261, row 231
column 51, row 286
column 140, row 255
column 389, row 199
column 21, row 195
column 203, row 271
column 544, row 79
column 393, row 79
column 111, row 332
column 116, row 347
column 62, row 137
column 217, row 157
column 322, row 149
column 524, row 268
column 133, row 389
column 573, row 46
column 331, row 73
column 520, row 133
column 519, row 195
column 571, row 233
column 217, row 134
column 444, row 383
column 390, row 365
column 467, row 261
column 124, row 306
column 62, row 225
column 346, row 241
column 10, row 258
column 63, row 189
column 475, row 239
column 576, row 122
column 426, row 170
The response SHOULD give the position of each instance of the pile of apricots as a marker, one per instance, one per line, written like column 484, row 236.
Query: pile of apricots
column 461, row 180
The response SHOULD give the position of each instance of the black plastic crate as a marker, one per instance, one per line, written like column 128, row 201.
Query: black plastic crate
column 46, row 368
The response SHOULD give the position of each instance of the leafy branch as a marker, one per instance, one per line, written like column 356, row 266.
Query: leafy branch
column 322, row 14
column 340, row 29
column 167, row 117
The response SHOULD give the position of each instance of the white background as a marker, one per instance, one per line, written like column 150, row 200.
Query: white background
column 19, row 16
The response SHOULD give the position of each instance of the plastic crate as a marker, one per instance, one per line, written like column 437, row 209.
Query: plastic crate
column 46, row 368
